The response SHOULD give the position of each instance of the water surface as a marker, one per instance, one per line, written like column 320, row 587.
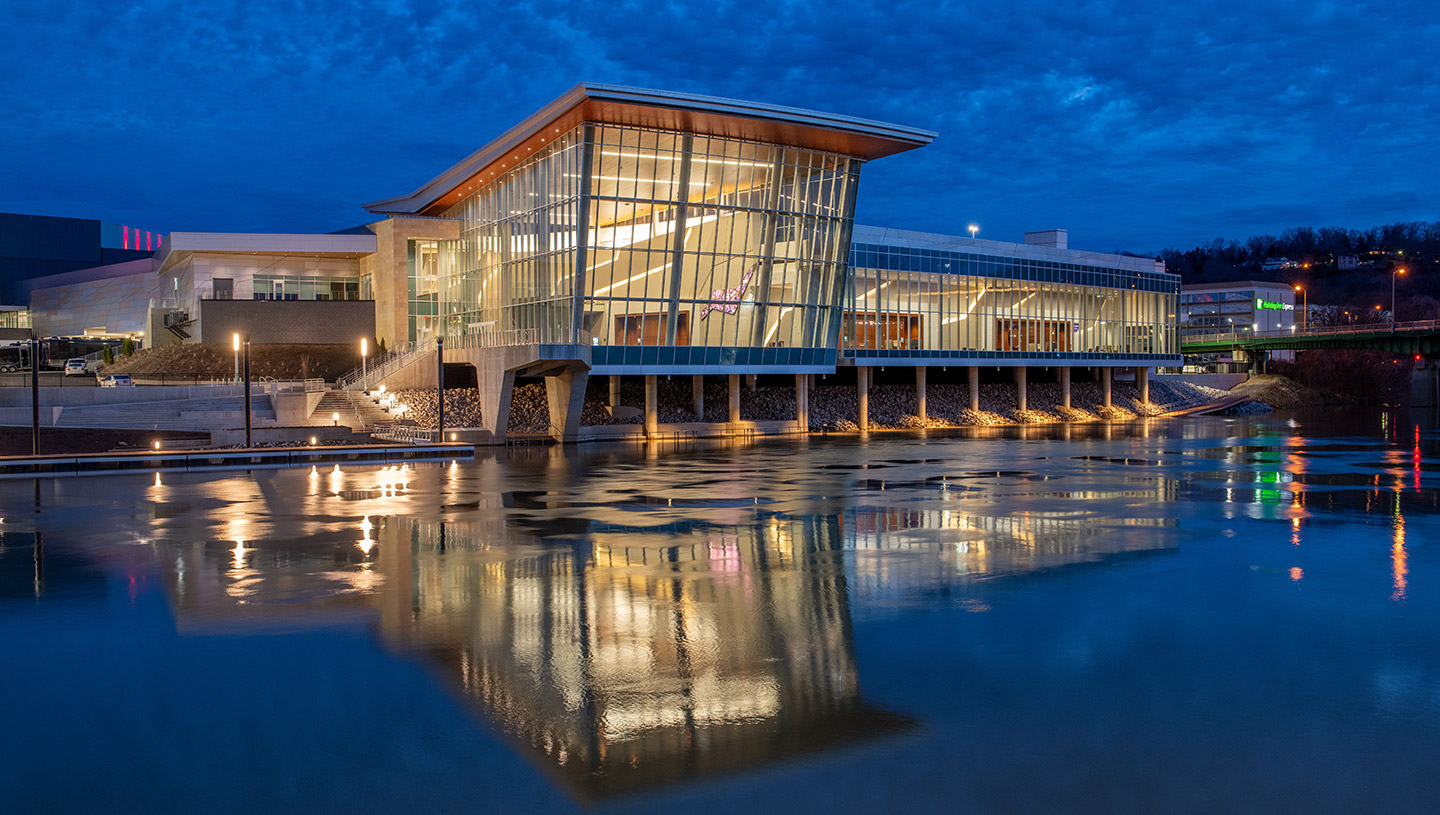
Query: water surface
column 1170, row 616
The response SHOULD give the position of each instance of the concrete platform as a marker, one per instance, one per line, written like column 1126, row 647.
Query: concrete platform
column 198, row 460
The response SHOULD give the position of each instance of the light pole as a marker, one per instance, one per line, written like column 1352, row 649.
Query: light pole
column 1306, row 313
column 1393, row 275
column 235, row 346
column 973, row 229
column 364, row 370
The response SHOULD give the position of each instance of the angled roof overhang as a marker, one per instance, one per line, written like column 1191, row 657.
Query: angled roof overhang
column 661, row 110
column 179, row 245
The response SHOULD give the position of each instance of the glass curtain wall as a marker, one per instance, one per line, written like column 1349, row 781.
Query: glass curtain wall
column 423, row 289
column 701, row 241
column 905, row 311
column 688, row 240
column 513, row 266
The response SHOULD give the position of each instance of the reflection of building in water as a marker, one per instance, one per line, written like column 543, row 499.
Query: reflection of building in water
column 628, row 666
column 620, row 667
column 971, row 544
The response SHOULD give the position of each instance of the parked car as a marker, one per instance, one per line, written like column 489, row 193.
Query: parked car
column 117, row 381
column 75, row 367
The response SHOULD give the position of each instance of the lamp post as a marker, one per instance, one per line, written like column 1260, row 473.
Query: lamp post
column 235, row 346
column 973, row 229
column 364, row 370
column 1305, row 319
column 1393, row 275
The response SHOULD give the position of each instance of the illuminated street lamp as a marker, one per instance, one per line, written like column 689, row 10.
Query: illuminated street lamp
column 364, row 351
column 973, row 229
column 235, row 346
column 1392, row 296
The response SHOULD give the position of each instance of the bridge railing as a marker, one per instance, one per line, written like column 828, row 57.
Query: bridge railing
column 1241, row 337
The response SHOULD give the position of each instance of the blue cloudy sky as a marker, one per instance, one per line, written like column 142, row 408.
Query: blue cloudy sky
column 1135, row 126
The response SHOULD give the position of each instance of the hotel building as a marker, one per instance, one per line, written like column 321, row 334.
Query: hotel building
column 629, row 232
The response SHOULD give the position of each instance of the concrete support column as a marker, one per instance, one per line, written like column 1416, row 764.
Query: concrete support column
column 1105, row 386
column 802, row 401
column 1020, row 389
column 751, row 380
column 697, row 396
column 614, row 390
column 975, row 387
column 734, row 398
column 1142, row 381
column 565, row 394
column 920, row 391
column 496, row 388
column 1065, row 387
column 862, row 393
column 652, row 406
column 1424, row 387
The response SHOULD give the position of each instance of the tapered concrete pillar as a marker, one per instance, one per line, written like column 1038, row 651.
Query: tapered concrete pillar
column 1142, row 382
column 496, row 389
column 697, row 396
column 802, row 401
column 734, row 398
column 1105, row 387
column 920, row 406
column 1065, row 387
column 652, row 406
column 975, row 387
column 614, row 390
column 1020, row 389
column 565, row 395
column 862, row 395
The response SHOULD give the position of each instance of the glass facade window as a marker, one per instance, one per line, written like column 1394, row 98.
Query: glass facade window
column 945, row 302
column 15, row 319
column 423, row 289
column 622, row 236
column 294, row 287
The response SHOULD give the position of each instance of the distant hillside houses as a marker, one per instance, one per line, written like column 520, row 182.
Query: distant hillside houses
column 1276, row 264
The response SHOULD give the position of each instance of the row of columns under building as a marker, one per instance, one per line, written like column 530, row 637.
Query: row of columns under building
column 804, row 382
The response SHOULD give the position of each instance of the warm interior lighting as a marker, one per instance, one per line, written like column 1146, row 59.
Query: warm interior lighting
column 630, row 280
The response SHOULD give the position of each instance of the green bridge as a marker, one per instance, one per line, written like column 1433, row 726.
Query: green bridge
column 1421, row 338
column 1416, row 339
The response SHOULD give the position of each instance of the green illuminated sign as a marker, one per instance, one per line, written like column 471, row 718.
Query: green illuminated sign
column 1263, row 304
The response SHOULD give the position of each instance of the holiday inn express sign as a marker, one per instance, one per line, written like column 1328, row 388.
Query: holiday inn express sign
column 1262, row 304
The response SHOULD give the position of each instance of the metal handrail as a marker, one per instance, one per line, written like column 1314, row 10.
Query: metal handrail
column 384, row 365
column 1318, row 331
column 405, row 433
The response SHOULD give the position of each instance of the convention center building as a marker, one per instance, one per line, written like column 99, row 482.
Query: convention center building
column 627, row 232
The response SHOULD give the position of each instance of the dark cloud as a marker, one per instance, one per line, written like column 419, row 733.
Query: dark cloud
column 1134, row 126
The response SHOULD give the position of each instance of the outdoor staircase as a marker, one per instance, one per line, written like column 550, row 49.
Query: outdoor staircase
column 204, row 413
column 357, row 411
column 387, row 364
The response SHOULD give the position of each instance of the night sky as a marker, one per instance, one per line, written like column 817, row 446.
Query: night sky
column 1136, row 130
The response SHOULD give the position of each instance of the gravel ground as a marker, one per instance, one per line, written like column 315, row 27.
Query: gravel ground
column 833, row 407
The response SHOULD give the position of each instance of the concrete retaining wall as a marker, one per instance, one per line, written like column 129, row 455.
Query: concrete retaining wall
column 1222, row 382
column 72, row 397
column 270, row 435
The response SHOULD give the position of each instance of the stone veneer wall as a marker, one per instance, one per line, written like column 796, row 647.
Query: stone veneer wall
column 390, row 272
column 302, row 322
